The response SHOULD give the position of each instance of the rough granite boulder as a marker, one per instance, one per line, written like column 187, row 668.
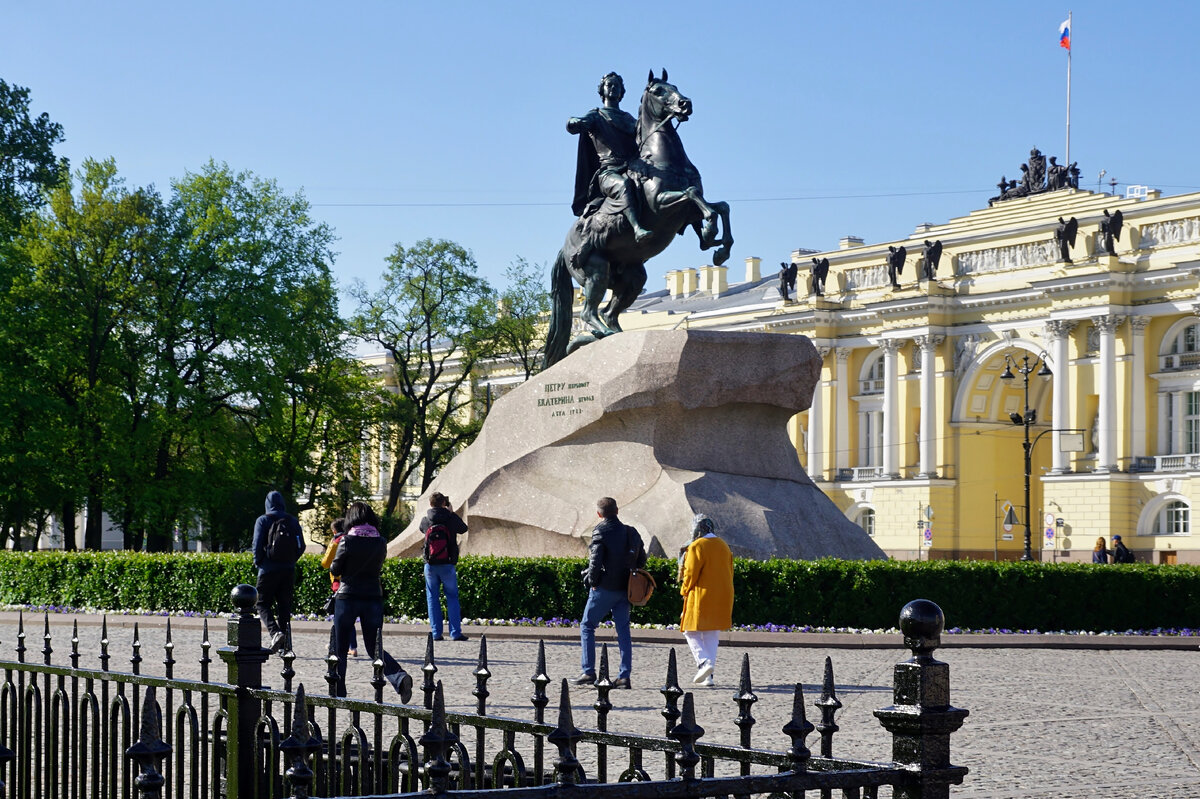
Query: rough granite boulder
column 670, row 424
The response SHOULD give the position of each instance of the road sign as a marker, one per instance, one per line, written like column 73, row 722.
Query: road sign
column 1010, row 519
column 928, row 537
column 1049, row 533
column 1006, row 537
column 1049, row 519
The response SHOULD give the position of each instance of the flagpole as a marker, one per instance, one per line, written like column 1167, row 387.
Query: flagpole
column 1071, row 31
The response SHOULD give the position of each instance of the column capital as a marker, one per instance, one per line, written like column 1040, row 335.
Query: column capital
column 890, row 346
column 1059, row 328
column 824, row 351
column 1107, row 323
column 930, row 342
column 1138, row 324
column 842, row 354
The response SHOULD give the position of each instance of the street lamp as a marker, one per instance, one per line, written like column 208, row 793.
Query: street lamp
column 1026, row 420
column 344, row 487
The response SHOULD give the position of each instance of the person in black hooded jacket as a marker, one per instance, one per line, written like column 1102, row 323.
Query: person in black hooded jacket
column 357, row 565
column 276, row 578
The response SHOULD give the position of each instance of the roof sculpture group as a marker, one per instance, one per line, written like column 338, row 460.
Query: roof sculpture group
column 1110, row 232
column 1038, row 177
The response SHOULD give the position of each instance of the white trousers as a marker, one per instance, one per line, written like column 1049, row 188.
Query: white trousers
column 703, row 644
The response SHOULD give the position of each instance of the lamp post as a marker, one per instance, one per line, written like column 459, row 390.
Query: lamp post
column 344, row 486
column 1026, row 420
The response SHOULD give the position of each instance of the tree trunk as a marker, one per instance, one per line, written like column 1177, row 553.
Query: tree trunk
column 69, row 531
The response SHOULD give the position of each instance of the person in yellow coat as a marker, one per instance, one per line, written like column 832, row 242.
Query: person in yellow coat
column 706, row 585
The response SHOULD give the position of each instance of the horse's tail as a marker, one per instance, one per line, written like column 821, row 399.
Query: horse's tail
column 562, row 295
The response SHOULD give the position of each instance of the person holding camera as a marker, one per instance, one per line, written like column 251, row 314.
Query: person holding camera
column 442, row 527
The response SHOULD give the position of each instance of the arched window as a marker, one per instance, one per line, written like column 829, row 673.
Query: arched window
column 1173, row 519
column 872, row 378
column 1185, row 349
column 866, row 520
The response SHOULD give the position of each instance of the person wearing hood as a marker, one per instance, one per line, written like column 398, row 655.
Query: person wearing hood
column 358, row 564
column 441, row 527
column 707, row 589
column 276, row 567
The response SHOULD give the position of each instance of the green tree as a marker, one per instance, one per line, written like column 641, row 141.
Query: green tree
column 89, row 257
column 28, row 166
column 435, row 318
column 524, row 308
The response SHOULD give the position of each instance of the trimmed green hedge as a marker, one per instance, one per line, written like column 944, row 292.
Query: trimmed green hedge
column 825, row 593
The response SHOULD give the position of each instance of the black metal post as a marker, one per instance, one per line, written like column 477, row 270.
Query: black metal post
column 1026, row 421
column 921, row 718
column 244, row 658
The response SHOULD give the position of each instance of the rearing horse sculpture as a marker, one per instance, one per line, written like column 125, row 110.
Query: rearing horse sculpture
column 601, row 251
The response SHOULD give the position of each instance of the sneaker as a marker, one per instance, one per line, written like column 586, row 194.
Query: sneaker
column 703, row 673
column 353, row 652
column 278, row 641
column 459, row 637
column 585, row 679
column 621, row 682
column 708, row 682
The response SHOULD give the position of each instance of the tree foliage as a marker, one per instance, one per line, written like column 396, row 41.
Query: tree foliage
column 172, row 360
column 28, row 166
column 435, row 318
column 524, row 307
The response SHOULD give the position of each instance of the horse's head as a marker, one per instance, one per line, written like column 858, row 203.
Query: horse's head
column 662, row 100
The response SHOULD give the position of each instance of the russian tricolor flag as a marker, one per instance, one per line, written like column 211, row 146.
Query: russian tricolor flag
column 1064, row 34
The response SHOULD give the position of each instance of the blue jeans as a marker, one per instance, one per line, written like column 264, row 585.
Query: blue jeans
column 369, row 613
column 601, row 602
column 438, row 578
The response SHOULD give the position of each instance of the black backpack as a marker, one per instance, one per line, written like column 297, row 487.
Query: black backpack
column 437, row 544
column 282, row 546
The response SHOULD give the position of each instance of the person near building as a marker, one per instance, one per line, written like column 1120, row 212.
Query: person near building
column 277, row 544
column 1100, row 551
column 441, row 528
column 616, row 549
column 1121, row 553
column 358, row 563
column 707, row 590
column 338, row 529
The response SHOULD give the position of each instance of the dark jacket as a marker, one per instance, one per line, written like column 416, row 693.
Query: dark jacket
column 275, row 509
column 1099, row 556
column 453, row 523
column 608, row 563
column 358, row 561
column 1121, row 553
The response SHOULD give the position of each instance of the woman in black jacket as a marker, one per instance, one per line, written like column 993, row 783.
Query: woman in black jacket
column 357, row 564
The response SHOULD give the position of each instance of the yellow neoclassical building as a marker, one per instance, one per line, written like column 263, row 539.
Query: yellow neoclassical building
column 929, row 389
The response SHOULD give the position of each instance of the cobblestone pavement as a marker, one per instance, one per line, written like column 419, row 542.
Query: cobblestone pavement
column 1044, row 722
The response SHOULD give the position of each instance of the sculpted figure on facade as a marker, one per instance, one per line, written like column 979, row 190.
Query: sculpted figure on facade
column 787, row 279
column 895, row 264
column 1110, row 229
column 933, row 254
column 820, row 271
column 1065, row 234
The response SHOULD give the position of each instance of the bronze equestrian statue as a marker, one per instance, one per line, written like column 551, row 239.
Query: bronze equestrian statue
column 635, row 191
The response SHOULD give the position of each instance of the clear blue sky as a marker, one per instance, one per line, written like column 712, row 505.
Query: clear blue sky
column 401, row 121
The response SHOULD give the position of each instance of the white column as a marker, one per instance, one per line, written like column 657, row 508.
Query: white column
column 1137, row 383
column 816, row 425
column 841, row 420
column 928, row 441
column 1106, row 454
column 1178, row 445
column 891, row 413
column 1057, row 331
column 1164, row 413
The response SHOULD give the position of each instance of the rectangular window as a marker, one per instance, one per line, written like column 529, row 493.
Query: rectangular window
column 1177, row 519
column 1191, row 422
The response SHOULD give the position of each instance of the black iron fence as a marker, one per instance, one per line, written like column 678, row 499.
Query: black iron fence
column 68, row 732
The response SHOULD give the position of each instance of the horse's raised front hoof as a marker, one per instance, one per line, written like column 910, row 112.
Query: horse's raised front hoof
column 721, row 255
